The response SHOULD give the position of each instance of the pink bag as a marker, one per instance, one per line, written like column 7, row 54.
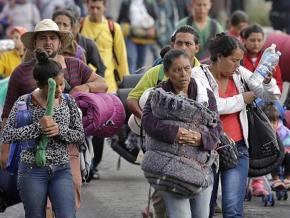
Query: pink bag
column 103, row 113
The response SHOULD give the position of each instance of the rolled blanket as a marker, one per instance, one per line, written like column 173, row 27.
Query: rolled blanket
column 103, row 113
column 183, row 169
column 168, row 106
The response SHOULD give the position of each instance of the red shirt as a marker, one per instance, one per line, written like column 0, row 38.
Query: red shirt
column 231, row 122
column 247, row 63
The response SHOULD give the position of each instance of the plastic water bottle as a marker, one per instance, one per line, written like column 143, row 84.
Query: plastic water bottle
column 23, row 118
column 267, row 64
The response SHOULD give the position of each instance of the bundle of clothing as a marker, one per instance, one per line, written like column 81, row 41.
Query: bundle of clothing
column 183, row 169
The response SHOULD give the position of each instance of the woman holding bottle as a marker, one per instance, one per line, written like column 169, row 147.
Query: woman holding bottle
column 226, row 78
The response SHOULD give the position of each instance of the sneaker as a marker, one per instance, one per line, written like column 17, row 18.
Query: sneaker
column 94, row 175
column 278, row 185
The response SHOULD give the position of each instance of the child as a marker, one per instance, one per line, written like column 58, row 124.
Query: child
column 284, row 134
column 254, row 40
column 239, row 21
column 54, row 179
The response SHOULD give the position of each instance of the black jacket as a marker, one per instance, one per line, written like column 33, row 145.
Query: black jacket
column 92, row 54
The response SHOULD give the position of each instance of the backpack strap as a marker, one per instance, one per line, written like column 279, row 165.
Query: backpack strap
column 189, row 20
column 66, row 98
column 111, row 26
column 27, row 98
column 213, row 28
column 160, row 74
column 112, row 31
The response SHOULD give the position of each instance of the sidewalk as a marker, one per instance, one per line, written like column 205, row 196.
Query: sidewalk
column 123, row 194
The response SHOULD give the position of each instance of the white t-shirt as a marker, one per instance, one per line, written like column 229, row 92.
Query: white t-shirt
column 139, row 16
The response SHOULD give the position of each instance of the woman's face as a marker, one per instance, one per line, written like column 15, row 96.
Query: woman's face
column 59, row 80
column 254, row 43
column 229, row 64
column 180, row 72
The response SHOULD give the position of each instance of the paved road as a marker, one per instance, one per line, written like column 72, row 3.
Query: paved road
column 123, row 193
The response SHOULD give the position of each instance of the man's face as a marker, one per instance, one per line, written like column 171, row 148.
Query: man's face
column 49, row 42
column 185, row 42
column 201, row 8
column 96, row 9
column 254, row 43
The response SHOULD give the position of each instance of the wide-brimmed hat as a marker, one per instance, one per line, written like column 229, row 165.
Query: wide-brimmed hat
column 47, row 25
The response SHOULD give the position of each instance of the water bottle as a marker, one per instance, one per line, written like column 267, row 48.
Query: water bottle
column 23, row 118
column 268, row 62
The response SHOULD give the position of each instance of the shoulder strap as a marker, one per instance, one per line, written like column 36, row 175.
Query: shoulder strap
column 66, row 98
column 112, row 31
column 213, row 28
column 189, row 20
column 160, row 74
column 27, row 98
column 204, row 72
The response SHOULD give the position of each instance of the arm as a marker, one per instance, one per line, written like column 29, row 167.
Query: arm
column 268, row 92
column 230, row 105
column 134, row 107
column 74, row 133
column 278, row 77
column 148, row 80
column 155, row 127
column 224, row 105
column 91, row 82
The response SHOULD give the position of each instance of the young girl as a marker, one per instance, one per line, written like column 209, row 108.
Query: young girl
column 54, row 179
column 254, row 40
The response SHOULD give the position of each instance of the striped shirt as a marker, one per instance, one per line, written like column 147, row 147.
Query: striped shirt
column 22, row 82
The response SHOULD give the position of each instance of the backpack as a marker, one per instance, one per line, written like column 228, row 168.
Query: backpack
column 85, row 149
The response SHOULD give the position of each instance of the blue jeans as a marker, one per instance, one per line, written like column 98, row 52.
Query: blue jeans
column 178, row 207
column 35, row 184
column 234, row 183
column 136, row 54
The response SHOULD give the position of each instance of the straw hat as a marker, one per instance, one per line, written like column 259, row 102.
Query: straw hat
column 47, row 25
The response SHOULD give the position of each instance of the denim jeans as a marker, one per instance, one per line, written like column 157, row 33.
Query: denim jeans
column 136, row 55
column 234, row 183
column 36, row 183
column 178, row 207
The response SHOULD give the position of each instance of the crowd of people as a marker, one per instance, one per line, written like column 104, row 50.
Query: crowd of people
column 83, row 49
